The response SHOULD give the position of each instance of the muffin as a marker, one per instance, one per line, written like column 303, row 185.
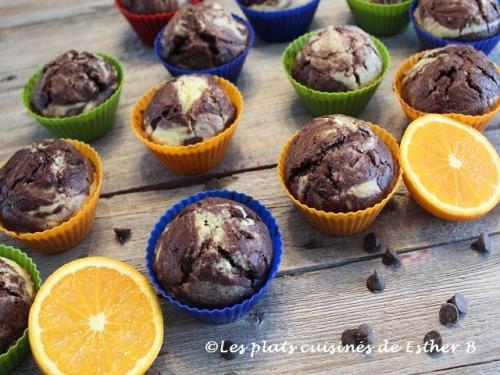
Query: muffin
column 271, row 5
column 44, row 185
column 214, row 253
column 463, row 20
column 202, row 36
column 338, row 58
column 187, row 110
column 452, row 79
column 16, row 296
column 153, row 6
column 338, row 164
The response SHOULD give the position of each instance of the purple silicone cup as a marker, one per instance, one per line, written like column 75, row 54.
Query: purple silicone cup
column 429, row 41
column 231, row 70
column 230, row 313
column 281, row 25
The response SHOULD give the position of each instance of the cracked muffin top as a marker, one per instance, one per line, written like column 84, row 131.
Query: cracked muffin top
column 452, row 79
column 153, row 6
column 16, row 295
column 337, row 163
column 73, row 83
column 203, row 36
column 214, row 254
column 187, row 110
column 270, row 5
column 465, row 20
column 43, row 185
column 338, row 58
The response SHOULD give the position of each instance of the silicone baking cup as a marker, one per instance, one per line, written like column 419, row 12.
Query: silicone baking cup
column 230, row 70
column 192, row 159
column 380, row 19
column 231, row 313
column 429, row 41
column 477, row 121
column 17, row 352
column 71, row 232
column 281, row 25
column 147, row 26
column 86, row 126
column 320, row 103
column 344, row 224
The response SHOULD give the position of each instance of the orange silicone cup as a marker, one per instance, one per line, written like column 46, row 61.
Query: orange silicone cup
column 71, row 232
column 192, row 159
column 340, row 223
column 477, row 121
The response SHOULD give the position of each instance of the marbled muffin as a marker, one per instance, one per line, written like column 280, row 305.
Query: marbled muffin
column 16, row 296
column 214, row 254
column 203, row 36
column 338, row 58
column 153, row 6
column 465, row 20
column 187, row 110
column 73, row 83
column 338, row 164
column 452, row 79
column 43, row 185
column 270, row 5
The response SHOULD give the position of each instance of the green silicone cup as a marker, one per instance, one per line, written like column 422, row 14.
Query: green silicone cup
column 380, row 19
column 87, row 126
column 320, row 103
column 17, row 352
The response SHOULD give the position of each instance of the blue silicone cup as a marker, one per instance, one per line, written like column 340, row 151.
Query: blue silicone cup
column 231, row 313
column 230, row 70
column 281, row 25
column 429, row 41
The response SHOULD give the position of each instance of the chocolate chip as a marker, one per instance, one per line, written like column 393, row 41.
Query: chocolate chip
column 226, row 352
column 122, row 235
column 371, row 243
column 375, row 282
column 448, row 314
column 349, row 337
column 433, row 342
column 364, row 334
column 460, row 303
column 391, row 258
column 482, row 244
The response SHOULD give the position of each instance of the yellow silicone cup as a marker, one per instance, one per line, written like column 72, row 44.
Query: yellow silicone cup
column 340, row 223
column 477, row 121
column 192, row 159
column 71, row 232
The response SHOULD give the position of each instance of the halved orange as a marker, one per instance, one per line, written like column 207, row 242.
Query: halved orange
column 95, row 316
column 451, row 169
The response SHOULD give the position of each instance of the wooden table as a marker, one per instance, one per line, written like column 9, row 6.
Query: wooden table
column 320, row 290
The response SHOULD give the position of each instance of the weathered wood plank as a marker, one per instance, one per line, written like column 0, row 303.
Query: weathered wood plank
column 316, row 307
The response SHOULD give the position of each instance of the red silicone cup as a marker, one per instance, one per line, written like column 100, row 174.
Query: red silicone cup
column 147, row 26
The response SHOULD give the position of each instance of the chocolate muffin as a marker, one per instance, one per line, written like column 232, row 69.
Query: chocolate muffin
column 465, row 20
column 203, row 36
column 43, row 185
column 338, row 164
column 214, row 254
column 16, row 296
column 73, row 83
column 338, row 58
column 153, row 6
column 187, row 110
column 452, row 79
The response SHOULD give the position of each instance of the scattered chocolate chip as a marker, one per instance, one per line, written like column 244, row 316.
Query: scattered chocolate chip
column 448, row 314
column 392, row 205
column 482, row 244
column 375, row 282
column 213, row 184
column 226, row 352
column 10, row 77
column 433, row 342
column 364, row 334
column 391, row 258
column 460, row 303
column 371, row 243
column 349, row 337
column 122, row 234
